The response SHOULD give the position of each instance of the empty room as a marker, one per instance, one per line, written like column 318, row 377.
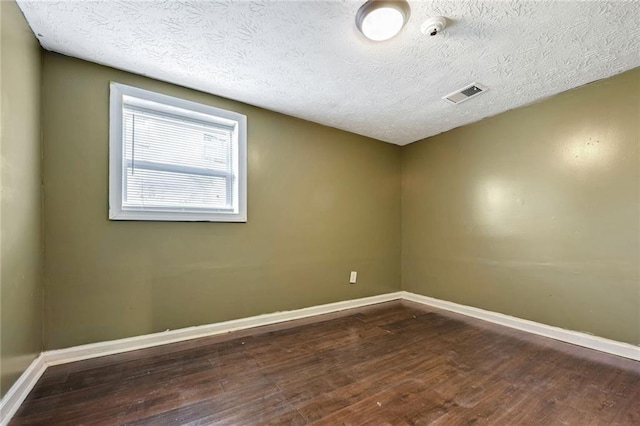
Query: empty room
column 381, row 212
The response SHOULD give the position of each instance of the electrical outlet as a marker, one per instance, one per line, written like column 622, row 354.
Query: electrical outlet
column 353, row 277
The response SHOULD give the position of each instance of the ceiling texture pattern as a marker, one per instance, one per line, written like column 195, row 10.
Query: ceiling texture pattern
column 308, row 60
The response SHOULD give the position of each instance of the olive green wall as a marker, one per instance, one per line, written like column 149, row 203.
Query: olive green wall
column 533, row 213
column 321, row 202
column 20, row 218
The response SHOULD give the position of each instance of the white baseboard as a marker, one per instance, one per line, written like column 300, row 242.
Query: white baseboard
column 20, row 389
column 111, row 347
column 614, row 347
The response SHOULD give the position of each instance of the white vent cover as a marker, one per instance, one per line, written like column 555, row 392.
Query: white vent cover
column 467, row 92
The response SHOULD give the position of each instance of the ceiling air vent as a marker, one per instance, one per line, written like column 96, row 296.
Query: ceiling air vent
column 467, row 92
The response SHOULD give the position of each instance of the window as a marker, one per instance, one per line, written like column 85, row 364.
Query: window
column 175, row 160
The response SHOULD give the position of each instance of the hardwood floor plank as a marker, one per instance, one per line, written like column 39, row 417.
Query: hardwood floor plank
column 629, row 411
column 390, row 364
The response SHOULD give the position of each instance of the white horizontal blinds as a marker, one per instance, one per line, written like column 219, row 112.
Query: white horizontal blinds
column 172, row 162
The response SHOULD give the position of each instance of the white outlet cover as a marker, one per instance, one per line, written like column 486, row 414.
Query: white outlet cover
column 353, row 277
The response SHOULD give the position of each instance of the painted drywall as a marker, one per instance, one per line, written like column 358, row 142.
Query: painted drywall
column 533, row 213
column 20, row 218
column 321, row 202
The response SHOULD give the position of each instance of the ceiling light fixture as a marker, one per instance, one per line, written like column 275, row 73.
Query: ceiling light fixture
column 380, row 20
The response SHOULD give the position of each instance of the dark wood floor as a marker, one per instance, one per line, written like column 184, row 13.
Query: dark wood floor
column 392, row 364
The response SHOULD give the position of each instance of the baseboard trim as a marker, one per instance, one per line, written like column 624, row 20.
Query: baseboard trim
column 20, row 389
column 94, row 350
column 613, row 347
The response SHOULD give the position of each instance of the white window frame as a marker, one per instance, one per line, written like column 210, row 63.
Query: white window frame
column 189, row 110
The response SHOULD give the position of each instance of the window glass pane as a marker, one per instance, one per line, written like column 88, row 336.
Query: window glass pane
column 164, row 139
column 174, row 162
column 152, row 188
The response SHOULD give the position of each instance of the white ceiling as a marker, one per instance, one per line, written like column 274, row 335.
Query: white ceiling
column 307, row 59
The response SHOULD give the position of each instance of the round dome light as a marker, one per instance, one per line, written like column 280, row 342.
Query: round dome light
column 380, row 20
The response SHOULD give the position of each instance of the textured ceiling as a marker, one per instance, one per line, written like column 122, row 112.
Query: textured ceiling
column 307, row 59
